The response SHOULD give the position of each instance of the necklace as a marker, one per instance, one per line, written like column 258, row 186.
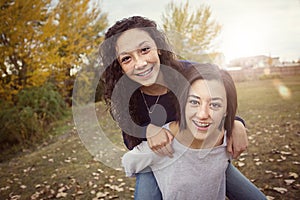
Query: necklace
column 150, row 111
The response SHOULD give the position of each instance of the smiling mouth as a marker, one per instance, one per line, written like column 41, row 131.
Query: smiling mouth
column 201, row 124
column 145, row 73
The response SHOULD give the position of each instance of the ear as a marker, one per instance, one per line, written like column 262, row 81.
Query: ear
column 159, row 52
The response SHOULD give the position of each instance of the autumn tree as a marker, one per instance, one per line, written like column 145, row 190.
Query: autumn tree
column 191, row 33
column 42, row 41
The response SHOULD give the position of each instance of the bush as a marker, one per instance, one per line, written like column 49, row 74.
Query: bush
column 27, row 120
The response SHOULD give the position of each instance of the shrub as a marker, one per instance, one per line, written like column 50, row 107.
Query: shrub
column 26, row 121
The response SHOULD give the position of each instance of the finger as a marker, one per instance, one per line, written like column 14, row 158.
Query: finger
column 169, row 136
column 236, row 154
column 159, row 152
column 164, row 151
column 230, row 147
column 170, row 150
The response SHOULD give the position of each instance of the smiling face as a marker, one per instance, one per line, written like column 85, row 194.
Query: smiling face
column 138, row 56
column 205, row 109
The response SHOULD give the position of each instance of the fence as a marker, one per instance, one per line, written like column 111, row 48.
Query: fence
column 267, row 72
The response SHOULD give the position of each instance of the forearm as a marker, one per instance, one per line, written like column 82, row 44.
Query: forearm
column 137, row 159
column 238, row 141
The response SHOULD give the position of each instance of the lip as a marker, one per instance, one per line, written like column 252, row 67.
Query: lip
column 145, row 73
column 201, row 126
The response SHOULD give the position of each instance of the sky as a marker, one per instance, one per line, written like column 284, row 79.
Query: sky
column 249, row 27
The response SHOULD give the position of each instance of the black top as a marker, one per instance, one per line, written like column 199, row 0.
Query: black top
column 163, row 112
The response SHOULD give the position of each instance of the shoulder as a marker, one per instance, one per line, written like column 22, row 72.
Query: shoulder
column 187, row 63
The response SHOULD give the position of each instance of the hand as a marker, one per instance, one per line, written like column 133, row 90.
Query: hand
column 159, row 140
column 238, row 142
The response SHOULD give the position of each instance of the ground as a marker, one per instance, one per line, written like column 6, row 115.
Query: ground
column 64, row 168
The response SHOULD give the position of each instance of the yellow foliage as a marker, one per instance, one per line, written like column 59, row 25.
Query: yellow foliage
column 40, row 43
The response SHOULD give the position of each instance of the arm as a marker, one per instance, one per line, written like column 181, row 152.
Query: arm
column 238, row 142
column 137, row 159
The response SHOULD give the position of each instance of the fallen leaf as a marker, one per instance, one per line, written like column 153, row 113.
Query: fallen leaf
column 293, row 174
column 268, row 171
column 285, row 153
column 36, row 195
column 270, row 197
column 258, row 163
column 101, row 194
column 61, row 195
column 93, row 192
column 289, row 181
column 62, row 189
column 280, row 190
column 240, row 164
column 23, row 186
column 5, row 188
column 79, row 192
column 283, row 157
column 15, row 197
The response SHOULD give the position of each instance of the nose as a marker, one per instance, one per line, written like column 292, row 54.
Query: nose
column 140, row 62
column 203, row 111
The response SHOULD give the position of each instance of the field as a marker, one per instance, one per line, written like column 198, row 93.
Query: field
column 63, row 168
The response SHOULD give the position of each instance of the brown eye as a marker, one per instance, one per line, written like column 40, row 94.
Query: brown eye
column 215, row 105
column 125, row 59
column 145, row 50
column 193, row 102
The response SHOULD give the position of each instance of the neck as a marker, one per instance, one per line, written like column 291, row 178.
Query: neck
column 154, row 89
column 157, row 88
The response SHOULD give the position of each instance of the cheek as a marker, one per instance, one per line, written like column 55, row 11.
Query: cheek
column 153, row 56
column 127, row 68
column 189, row 112
column 218, row 116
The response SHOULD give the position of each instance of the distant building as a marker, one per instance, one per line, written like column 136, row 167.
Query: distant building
column 260, row 61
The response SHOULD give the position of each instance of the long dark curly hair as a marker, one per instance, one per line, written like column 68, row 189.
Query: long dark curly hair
column 116, row 83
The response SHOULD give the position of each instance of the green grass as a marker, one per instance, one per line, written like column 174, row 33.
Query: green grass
column 64, row 166
column 274, row 133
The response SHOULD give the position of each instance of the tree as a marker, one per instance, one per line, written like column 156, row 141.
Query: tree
column 43, row 42
column 20, row 20
column 191, row 33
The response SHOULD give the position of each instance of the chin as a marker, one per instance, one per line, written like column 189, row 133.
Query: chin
column 200, row 136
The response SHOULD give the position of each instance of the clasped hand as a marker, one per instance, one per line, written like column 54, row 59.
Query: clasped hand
column 159, row 140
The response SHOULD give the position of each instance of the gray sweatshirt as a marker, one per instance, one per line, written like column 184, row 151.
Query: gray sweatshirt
column 190, row 174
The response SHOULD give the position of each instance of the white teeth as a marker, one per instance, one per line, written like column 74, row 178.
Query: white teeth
column 145, row 73
column 201, row 124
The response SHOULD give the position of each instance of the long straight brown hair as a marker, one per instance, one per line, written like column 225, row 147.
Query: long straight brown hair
column 210, row 72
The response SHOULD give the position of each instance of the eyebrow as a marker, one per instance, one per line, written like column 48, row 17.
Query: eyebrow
column 139, row 45
column 214, row 98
